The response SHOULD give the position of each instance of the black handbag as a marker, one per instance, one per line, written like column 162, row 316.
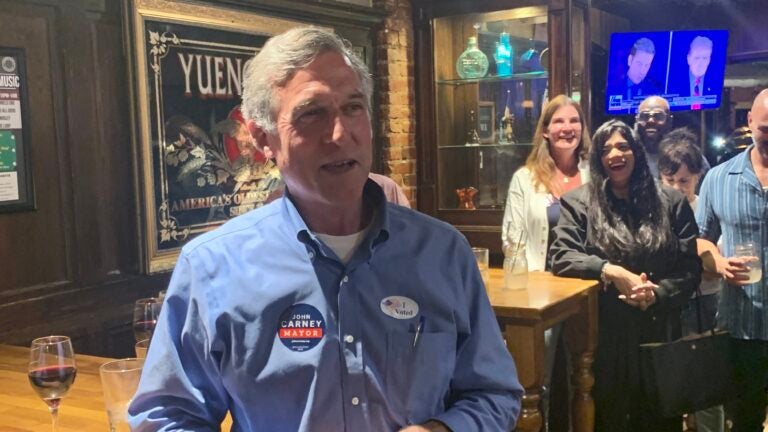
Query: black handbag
column 689, row 374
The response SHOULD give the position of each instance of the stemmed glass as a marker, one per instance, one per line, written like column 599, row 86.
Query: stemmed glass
column 52, row 371
column 145, row 313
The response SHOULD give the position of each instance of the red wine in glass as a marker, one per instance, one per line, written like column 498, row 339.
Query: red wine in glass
column 143, row 329
column 52, row 382
column 145, row 313
column 52, row 370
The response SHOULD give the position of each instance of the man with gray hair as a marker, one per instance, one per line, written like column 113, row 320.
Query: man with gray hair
column 328, row 309
column 694, row 85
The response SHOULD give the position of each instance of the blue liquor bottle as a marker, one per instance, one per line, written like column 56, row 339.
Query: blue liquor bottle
column 504, row 55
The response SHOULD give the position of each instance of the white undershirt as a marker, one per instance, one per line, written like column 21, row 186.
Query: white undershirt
column 344, row 246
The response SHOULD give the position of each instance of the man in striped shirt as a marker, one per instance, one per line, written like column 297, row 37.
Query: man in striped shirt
column 733, row 202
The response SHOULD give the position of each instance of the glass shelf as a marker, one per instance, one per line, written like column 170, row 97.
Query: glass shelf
column 492, row 79
column 484, row 111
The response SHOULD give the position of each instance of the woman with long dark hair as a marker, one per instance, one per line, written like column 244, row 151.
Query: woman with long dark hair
column 639, row 239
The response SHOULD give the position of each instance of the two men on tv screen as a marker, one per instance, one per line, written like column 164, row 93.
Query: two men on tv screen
column 687, row 82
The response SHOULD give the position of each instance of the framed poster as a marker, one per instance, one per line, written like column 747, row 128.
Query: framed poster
column 16, row 189
column 196, row 164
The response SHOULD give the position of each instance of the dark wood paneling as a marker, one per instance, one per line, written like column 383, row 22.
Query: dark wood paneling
column 559, row 50
column 71, row 263
column 100, row 143
column 35, row 243
column 461, row 7
column 426, row 151
column 97, row 317
column 333, row 14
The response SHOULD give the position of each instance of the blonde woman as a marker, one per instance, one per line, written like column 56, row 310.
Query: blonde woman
column 557, row 164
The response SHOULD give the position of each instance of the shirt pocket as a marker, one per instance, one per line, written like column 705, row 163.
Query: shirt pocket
column 419, row 372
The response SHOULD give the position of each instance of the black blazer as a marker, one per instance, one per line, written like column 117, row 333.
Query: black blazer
column 574, row 254
column 622, row 328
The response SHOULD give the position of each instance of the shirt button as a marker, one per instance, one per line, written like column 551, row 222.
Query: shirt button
column 345, row 280
column 355, row 401
column 349, row 338
column 311, row 255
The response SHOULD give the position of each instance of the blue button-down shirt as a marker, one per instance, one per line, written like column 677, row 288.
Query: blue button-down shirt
column 219, row 344
column 732, row 203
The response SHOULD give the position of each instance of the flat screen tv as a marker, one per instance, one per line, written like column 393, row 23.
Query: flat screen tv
column 686, row 67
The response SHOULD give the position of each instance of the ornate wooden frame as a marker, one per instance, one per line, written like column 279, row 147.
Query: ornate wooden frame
column 152, row 39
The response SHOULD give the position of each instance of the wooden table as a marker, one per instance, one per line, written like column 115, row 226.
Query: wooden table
column 524, row 315
column 82, row 409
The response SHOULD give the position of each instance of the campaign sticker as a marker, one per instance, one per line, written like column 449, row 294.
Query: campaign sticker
column 399, row 307
column 301, row 327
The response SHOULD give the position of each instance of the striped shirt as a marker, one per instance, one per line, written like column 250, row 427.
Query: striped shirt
column 733, row 203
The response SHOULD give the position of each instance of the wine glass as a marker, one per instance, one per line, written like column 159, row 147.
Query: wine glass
column 52, row 371
column 145, row 313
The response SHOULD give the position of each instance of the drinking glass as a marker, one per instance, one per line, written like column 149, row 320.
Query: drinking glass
column 145, row 313
column 141, row 348
column 119, row 380
column 515, row 267
column 52, row 371
column 481, row 254
column 748, row 250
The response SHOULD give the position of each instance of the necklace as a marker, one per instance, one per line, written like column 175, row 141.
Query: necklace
column 566, row 178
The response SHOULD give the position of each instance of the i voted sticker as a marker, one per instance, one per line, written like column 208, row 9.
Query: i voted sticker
column 399, row 307
column 302, row 327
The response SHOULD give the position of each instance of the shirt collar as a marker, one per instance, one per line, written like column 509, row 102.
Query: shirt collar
column 743, row 166
column 373, row 198
column 742, row 163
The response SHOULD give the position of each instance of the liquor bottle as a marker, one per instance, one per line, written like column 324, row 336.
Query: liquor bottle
column 473, row 139
column 503, row 55
column 507, row 124
column 472, row 63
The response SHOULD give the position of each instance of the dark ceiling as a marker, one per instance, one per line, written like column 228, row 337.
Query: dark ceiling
column 679, row 14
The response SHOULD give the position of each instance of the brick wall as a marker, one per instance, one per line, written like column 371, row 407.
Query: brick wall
column 394, row 78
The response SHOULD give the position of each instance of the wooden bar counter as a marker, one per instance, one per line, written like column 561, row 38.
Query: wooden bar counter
column 524, row 315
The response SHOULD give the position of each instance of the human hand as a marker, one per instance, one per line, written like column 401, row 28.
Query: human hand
column 430, row 426
column 643, row 296
column 623, row 279
column 734, row 269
